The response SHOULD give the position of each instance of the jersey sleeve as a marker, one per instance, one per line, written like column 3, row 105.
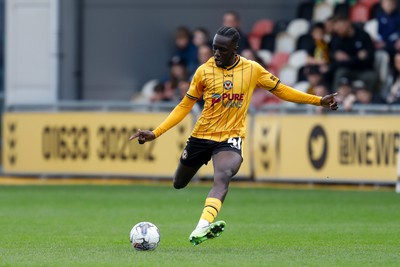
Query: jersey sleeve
column 197, row 85
column 292, row 95
column 265, row 79
column 176, row 116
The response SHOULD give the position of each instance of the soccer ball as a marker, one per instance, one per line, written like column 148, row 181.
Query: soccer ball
column 145, row 236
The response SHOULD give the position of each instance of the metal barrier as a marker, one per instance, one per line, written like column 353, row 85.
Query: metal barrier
column 110, row 106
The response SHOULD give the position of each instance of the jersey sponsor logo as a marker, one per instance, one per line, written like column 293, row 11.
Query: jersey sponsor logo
column 228, row 85
column 228, row 75
column 228, row 100
column 216, row 98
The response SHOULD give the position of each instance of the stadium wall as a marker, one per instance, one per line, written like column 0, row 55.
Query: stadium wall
column 333, row 149
column 126, row 43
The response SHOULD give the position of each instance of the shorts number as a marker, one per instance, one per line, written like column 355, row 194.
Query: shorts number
column 236, row 142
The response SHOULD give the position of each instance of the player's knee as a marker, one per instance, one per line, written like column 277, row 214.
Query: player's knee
column 229, row 172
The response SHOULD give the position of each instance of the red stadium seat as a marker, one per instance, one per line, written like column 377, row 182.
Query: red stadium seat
column 359, row 13
column 260, row 28
column 278, row 61
column 368, row 3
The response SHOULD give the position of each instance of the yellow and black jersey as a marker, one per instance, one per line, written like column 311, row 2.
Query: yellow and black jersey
column 227, row 94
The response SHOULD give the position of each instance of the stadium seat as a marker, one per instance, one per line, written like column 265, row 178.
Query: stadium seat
column 288, row 75
column 335, row 2
column 359, row 13
column 368, row 3
column 305, row 10
column 298, row 59
column 285, row 43
column 278, row 61
column 322, row 11
column 265, row 56
column 302, row 86
column 260, row 28
column 371, row 27
column 268, row 42
column 280, row 26
column 298, row 27
column 146, row 92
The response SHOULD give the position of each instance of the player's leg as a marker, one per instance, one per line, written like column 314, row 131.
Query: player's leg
column 226, row 165
column 184, row 174
column 196, row 153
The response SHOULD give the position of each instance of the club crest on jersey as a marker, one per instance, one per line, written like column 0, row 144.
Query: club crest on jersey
column 184, row 154
column 228, row 85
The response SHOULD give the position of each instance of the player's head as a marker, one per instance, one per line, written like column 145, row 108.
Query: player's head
column 225, row 46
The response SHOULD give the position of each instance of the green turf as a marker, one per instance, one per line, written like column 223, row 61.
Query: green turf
column 89, row 226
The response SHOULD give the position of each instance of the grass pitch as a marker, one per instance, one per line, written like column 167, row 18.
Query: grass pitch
column 89, row 226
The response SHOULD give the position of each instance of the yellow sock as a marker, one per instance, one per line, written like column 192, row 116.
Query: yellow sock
column 211, row 209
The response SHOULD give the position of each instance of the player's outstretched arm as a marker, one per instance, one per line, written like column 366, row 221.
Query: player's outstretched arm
column 143, row 136
column 176, row 116
column 290, row 94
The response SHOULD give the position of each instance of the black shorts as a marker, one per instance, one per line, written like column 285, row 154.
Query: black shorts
column 199, row 151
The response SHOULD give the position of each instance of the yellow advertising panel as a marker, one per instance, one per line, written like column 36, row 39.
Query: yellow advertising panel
column 331, row 148
column 90, row 143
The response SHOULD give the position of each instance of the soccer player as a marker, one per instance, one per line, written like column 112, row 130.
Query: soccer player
column 226, row 82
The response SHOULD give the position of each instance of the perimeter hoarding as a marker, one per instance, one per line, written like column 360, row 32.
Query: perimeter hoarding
column 327, row 148
column 90, row 144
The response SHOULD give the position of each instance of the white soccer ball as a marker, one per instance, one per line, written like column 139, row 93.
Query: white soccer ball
column 145, row 236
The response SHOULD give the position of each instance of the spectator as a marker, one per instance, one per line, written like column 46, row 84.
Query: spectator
column 321, row 89
column 352, row 54
column 393, row 96
column 201, row 37
column 389, row 27
column 185, row 49
column 313, row 76
column 318, row 52
column 232, row 19
column 328, row 27
column 204, row 53
column 345, row 95
column 159, row 94
column 260, row 96
column 177, row 73
column 363, row 95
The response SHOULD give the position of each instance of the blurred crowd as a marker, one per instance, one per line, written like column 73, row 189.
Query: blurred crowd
column 349, row 47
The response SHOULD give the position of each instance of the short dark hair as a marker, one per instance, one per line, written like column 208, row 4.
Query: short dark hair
column 233, row 13
column 229, row 32
column 340, row 17
column 318, row 25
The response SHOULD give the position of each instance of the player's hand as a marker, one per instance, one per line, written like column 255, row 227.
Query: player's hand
column 329, row 101
column 143, row 136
